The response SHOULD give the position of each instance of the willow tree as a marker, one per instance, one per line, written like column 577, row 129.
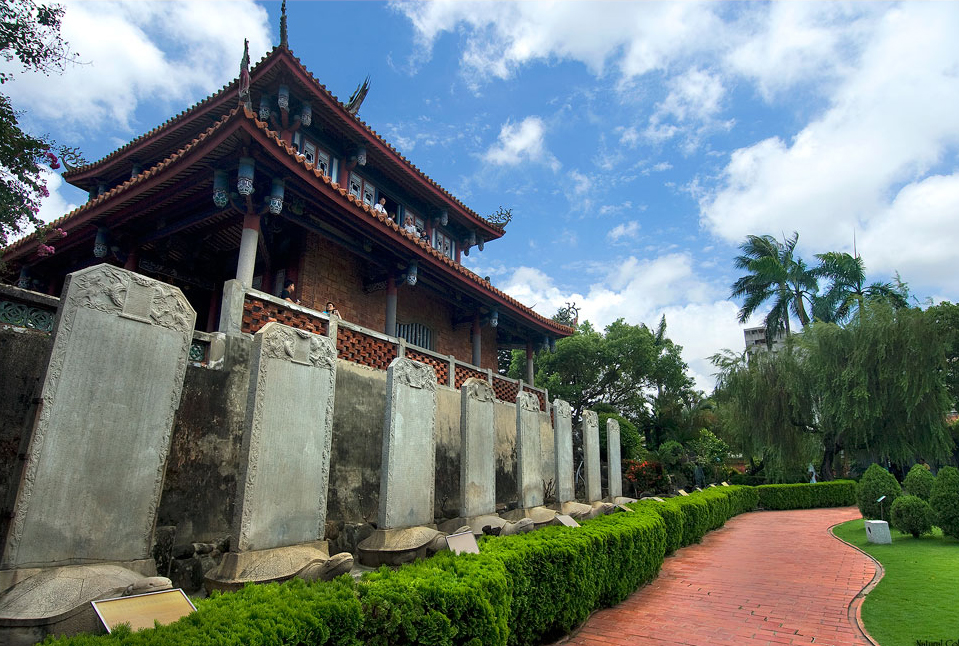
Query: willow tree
column 874, row 388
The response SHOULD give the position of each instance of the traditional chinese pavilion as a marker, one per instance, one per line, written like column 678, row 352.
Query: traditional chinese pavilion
column 274, row 179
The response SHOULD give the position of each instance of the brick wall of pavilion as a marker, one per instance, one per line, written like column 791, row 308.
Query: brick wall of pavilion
column 329, row 272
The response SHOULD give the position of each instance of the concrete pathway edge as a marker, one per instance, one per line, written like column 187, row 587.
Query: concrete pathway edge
column 855, row 606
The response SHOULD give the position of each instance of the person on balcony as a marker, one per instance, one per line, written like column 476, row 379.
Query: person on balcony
column 409, row 227
column 380, row 207
column 288, row 290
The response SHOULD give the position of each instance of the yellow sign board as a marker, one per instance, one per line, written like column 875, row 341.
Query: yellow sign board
column 142, row 610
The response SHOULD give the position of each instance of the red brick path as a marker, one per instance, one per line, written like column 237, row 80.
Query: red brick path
column 765, row 579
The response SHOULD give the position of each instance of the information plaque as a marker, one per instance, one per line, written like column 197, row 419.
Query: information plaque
column 142, row 610
column 462, row 543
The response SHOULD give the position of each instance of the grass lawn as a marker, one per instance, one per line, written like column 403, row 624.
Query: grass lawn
column 918, row 598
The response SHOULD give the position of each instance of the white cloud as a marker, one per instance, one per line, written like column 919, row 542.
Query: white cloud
column 695, row 95
column 635, row 38
column 863, row 164
column 520, row 143
column 641, row 291
column 170, row 53
column 918, row 234
column 689, row 109
column 790, row 43
column 623, row 230
column 581, row 182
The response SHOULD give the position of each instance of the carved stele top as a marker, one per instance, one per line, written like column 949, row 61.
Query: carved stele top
column 562, row 408
column 478, row 389
column 612, row 425
column 115, row 291
column 527, row 401
column 590, row 418
column 299, row 346
column 413, row 373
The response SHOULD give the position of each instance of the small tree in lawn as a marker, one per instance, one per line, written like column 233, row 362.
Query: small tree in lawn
column 944, row 501
column 875, row 483
column 919, row 481
column 911, row 515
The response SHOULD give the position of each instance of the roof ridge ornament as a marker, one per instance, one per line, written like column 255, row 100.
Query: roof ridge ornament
column 501, row 218
column 244, row 86
column 359, row 94
column 284, row 41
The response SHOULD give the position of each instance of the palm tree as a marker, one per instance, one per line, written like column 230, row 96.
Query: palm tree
column 848, row 293
column 775, row 272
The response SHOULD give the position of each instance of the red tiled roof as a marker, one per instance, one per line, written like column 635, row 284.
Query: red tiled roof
column 279, row 51
column 362, row 209
column 354, row 206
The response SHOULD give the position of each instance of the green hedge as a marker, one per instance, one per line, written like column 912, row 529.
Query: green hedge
column 523, row 589
column 838, row 493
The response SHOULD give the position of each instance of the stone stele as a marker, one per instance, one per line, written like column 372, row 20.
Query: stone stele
column 613, row 461
column 529, row 473
column 285, row 460
column 407, row 480
column 563, row 442
column 594, row 490
column 477, row 457
column 285, row 463
column 96, row 459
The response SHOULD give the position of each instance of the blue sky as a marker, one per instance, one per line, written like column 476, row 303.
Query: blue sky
column 636, row 143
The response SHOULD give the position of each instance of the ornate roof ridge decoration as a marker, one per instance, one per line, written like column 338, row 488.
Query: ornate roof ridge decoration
column 390, row 146
column 365, row 209
column 284, row 41
column 130, row 183
column 355, row 206
column 166, row 124
column 278, row 52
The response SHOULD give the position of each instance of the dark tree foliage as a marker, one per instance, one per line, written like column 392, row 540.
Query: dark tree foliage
column 946, row 315
column 911, row 515
column 636, row 371
column 875, row 483
column 918, row 482
column 944, row 500
column 29, row 34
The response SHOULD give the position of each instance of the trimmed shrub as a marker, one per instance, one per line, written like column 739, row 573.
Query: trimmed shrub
column 523, row 589
column 837, row 493
column 918, row 482
column 672, row 518
column 743, row 479
column 293, row 612
column 558, row 575
column 944, row 501
column 911, row 515
column 875, row 483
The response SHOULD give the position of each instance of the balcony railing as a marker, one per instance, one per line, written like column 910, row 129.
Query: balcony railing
column 26, row 309
column 367, row 347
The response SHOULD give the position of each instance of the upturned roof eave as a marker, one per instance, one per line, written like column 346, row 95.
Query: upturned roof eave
column 239, row 118
column 334, row 108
